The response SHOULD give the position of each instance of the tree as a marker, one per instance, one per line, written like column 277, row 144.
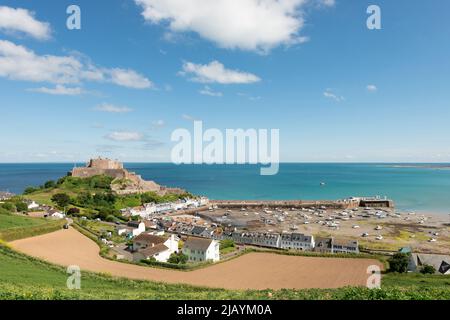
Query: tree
column 21, row 206
column 9, row 206
column 110, row 218
column 30, row 190
column 227, row 243
column 399, row 263
column 73, row 211
column 49, row 184
column 178, row 258
column 61, row 199
column 427, row 269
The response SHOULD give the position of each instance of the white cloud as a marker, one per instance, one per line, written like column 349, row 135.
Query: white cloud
column 371, row 88
column 106, row 107
column 330, row 95
column 256, row 25
column 125, row 136
column 188, row 117
column 59, row 90
column 21, row 20
column 158, row 124
column 215, row 72
column 129, row 78
column 207, row 91
column 327, row 3
column 19, row 63
column 249, row 97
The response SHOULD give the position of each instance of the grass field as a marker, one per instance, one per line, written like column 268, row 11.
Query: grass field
column 8, row 221
column 14, row 227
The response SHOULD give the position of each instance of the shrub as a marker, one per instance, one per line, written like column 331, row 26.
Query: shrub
column 61, row 199
column 427, row 269
column 178, row 258
column 21, row 206
column 30, row 190
column 399, row 263
column 227, row 243
column 110, row 218
column 73, row 211
column 49, row 184
column 8, row 206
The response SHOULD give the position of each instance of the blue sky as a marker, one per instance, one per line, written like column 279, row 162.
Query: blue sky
column 137, row 70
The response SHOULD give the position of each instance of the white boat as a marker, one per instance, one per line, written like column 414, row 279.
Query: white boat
column 380, row 237
column 379, row 228
column 355, row 227
column 365, row 235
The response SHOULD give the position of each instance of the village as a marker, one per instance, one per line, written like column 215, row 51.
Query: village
column 194, row 229
column 197, row 230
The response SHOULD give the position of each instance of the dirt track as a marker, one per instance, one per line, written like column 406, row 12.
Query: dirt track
column 251, row 271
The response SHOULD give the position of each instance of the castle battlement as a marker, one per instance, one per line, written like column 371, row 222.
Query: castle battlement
column 115, row 169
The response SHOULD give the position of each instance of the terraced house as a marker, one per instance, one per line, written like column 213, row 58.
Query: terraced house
column 297, row 241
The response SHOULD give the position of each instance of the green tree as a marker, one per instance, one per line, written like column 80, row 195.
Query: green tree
column 178, row 258
column 227, row 243
column 73, row 212
column 427, row 269
column 61, row 199
column 21, row 206
column 49, row 184
column 9, row 206
column 30, row 190
column 399, row 262
column 110, row 218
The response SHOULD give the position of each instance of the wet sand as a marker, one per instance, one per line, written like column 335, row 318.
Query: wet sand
column 252, row 271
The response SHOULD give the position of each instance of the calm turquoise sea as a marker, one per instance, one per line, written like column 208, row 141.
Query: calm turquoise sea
column 419, row 188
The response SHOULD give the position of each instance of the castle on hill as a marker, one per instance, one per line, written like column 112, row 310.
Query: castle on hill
column 124, row 182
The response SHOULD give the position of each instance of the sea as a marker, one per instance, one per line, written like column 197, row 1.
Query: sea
column 413, row 187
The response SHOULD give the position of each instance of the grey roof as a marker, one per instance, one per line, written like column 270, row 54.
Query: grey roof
column 345, row 243
column 324, row 243
column 296, row 237
column 438, row 261
column 197, row 243
column 134, row 224
column 198, row 230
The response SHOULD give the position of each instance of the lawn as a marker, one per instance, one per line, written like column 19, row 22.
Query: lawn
column 15, row 221
column 14, row 227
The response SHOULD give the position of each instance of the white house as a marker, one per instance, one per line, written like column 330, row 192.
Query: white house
column 55, row 214
column 163, row 207
column 147, row 246
column 33, row 205
column 138, row 227
column 199, row 249
column 259, row 239
column 133, row 228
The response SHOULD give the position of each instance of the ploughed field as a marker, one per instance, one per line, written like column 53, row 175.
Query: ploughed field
column 256, row 271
